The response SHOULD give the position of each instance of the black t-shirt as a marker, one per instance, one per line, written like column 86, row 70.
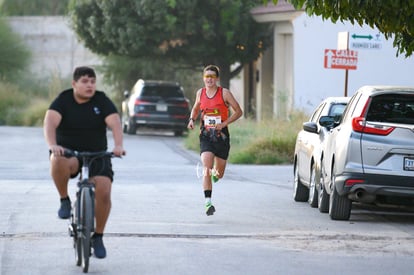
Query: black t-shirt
column 83, row 126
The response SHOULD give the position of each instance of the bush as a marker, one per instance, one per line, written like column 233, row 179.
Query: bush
column 33, row 115
column 11, row 103
column 25, row 103
column 14, row 54
column 266, row 151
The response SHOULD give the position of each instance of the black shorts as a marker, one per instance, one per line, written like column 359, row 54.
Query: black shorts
column 98, row 167
column 216, row 142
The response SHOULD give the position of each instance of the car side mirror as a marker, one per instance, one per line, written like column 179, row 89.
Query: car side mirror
column 311, row 127
column 327, row 121
column 126, row 94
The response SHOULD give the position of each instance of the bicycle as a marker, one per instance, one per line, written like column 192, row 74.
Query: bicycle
column 82, row 221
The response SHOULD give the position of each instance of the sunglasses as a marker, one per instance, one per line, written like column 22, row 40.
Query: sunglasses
column 210, row 76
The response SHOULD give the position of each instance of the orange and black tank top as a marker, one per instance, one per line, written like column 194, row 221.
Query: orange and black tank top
column 213, row 110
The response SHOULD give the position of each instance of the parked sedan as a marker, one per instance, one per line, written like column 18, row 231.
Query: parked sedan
column 309, row 148
column 370, row 155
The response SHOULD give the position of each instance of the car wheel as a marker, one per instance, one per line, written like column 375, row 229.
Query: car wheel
column 131, row 128
column 300, row 192
column 178, row 133
column 323, row 197
column 313, row 187
column 339, row 206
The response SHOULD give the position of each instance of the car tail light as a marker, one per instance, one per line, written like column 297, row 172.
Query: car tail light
column 351, row 182
column 180, row 116
column 183, row 104
column 142, row 115
column 139, row 102
column 359, row 124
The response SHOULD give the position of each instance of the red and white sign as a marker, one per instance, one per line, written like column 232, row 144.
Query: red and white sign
column 340, row 59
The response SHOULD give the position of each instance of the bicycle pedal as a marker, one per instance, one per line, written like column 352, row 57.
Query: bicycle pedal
column 71, row 230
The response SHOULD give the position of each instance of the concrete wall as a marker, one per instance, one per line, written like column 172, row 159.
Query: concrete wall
column 54, row 46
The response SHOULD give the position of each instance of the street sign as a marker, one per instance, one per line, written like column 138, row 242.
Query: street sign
column 366, row 41
column 343, row 38
column 340, row 59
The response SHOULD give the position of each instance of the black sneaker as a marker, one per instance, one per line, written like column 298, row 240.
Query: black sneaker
column 98, row 247
column 65, row 208
column 210, row 209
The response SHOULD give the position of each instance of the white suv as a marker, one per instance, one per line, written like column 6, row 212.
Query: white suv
column 370, row 157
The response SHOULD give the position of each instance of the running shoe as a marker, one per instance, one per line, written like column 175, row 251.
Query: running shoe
column 98, row 247
column 210, row 209
column 214, row 179
column 64, row 210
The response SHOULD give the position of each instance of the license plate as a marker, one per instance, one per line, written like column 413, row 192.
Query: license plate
column 409, row 164
column 161, row 107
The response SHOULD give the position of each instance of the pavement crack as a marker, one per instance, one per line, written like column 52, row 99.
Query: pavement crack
column 282, row 236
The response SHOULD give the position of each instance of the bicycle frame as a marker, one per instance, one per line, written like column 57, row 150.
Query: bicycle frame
column 82, row 223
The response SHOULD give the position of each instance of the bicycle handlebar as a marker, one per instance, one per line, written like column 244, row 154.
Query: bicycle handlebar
column 71, row 153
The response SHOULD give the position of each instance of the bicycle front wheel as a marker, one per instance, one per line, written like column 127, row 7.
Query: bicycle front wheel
column 75, row 233
column 86, row 219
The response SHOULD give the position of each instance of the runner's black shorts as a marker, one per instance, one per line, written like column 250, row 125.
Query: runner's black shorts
column 216, row 142
column 98, row 167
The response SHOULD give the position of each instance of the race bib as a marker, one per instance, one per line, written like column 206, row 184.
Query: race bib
column 210, row 121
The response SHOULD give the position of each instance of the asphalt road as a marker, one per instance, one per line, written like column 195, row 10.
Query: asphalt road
column 158, row 225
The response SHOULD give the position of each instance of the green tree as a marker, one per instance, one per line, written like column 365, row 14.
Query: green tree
column 33, row 7
column 14, row 55
column 393, row 18
column 191, row 33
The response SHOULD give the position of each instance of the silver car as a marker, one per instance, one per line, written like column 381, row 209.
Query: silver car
column 310, row 147
column 370, row 157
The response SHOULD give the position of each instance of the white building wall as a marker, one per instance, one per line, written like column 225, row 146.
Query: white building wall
column 313, row 82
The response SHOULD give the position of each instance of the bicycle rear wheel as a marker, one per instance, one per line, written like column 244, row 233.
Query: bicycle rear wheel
column 86, row 219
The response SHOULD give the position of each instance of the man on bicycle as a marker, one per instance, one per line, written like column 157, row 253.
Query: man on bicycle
column 77, row 119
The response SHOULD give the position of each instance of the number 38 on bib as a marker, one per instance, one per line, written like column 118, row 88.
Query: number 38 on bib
column 210, row 121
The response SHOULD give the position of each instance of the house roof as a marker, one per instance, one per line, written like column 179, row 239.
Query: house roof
column 283, row 11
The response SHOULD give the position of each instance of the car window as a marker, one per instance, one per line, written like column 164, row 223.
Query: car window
column 317, row 112
column 350, row 109
column 337, row 109
column 395, row 108
column 162, row 91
